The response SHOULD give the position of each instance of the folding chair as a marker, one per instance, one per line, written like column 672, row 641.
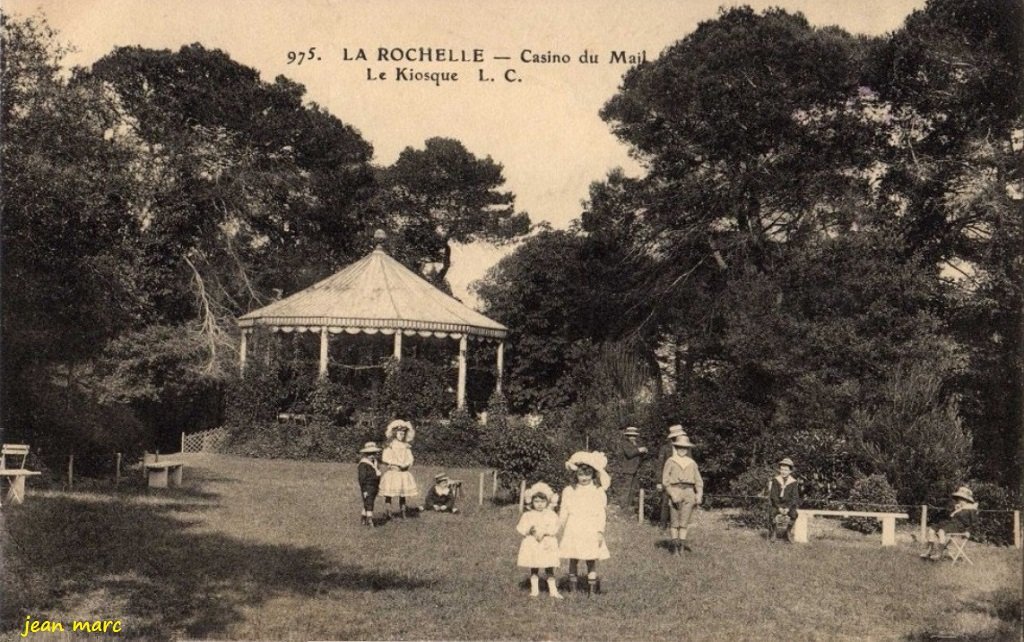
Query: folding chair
column 13, row 450
column 956, row 547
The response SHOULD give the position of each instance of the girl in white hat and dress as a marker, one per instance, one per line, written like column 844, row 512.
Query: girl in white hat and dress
column 582, row 517
column 539, row 549
column 397, row 481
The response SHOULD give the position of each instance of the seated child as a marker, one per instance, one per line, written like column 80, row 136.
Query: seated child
column 784, row 497
column 960, row 520
column 440, row 497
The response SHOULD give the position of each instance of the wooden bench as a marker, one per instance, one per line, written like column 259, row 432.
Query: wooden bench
column 163, row 472
column 16, row 493
column 888, row 520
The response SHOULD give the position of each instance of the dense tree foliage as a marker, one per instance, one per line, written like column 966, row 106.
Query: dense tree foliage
column 444, row 194
column 826, row 246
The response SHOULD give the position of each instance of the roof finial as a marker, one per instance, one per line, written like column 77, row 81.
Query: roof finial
column 379, row 237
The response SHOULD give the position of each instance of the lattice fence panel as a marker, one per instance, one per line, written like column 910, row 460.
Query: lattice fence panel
column 206, row 441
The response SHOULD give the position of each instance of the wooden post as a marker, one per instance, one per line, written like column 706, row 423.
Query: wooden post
column 182, row 450
column 398, row 345
column 460, row 398
column 501, row 366
column 494, row 485
column 71, row 471
column 480, row 495
column 1016, row 529
column 323, row 352
column 242, row 350
column 924, row 522
column 522, row 493
column 640, row 510
column 117, row 468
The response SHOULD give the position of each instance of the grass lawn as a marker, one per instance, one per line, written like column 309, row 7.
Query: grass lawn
column 274, row 550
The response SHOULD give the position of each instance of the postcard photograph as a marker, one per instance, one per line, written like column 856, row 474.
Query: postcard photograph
column 581, row 320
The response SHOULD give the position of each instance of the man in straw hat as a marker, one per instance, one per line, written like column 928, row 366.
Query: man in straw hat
column 664, row 453
column 685, row 488
column 369, row 479
column 784, row 500
column 961, row 520
column 628, row 457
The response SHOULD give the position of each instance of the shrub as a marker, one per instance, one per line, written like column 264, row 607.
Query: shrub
column 752, row 483
column 995, row 528
column 453, row 441
column 914, row 435
column 520, row 452
column 315, row 441
column 869, row 493
column 415, row 389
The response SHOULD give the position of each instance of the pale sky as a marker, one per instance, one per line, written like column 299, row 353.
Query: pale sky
column 543, row 126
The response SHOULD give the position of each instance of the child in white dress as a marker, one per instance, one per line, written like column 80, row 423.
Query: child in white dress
column 397, row 481
column 582, row 517
column 539, row 548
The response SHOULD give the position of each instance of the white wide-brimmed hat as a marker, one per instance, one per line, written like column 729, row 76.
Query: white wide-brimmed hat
column 964, row 493
column 540, row 488
column 596, row 460
column 410, row 432
column 675, row 431
column 682, row 441
column 370, row 447
column 787, row 462
column 631, row 431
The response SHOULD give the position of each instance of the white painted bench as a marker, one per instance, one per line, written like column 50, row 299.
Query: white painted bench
column 163, row 472
column 888, row 520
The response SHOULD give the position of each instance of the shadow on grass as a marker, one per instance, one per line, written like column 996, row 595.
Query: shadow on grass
column 145, row 559
column 1004, row 605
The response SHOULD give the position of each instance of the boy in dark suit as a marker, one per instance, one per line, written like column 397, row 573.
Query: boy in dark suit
column 369, row 479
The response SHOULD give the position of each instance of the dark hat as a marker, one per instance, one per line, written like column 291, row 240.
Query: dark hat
column 440, row 477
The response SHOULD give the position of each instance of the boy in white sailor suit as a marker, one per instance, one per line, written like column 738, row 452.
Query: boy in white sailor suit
column 784, row 497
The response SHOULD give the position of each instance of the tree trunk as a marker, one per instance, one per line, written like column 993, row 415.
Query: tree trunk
column 446, row 264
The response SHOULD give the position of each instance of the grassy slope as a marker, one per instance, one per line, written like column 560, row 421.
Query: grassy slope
column 274, row 550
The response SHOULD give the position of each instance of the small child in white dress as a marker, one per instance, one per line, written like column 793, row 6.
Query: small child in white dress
column 539, row 548
column 583, row 517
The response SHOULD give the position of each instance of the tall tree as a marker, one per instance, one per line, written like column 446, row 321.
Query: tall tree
column 444, row 194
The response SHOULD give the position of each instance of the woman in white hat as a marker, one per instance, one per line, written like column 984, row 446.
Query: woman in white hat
column 583, row 517
column 685, row 487
column 397, row 481
column 784, row 499
column 369, row 479
column 960, row 520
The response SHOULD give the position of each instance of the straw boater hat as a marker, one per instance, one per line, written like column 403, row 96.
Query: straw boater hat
column 682, row 441
column 964, row 493
column 540, row 488
column 370, row 447
column 440, row 477
column 631, row 431
column 410, row 432
column 595, row 460
column 675, row 431
column 787, row 462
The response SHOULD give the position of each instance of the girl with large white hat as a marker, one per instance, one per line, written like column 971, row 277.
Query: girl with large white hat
column 397, row 457
column 583, row 516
